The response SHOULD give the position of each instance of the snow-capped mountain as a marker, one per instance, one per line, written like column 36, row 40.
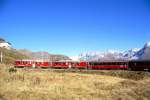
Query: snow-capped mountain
column 133, row 54
column 101, row 56
column 74, row 58
column 4, row 44
column 144, row 53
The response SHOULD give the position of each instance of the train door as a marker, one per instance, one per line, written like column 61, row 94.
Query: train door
column 33, row 65
column 69, row 64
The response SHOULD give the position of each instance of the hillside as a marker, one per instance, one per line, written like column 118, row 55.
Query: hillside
column 43, row 55
column 9, row 56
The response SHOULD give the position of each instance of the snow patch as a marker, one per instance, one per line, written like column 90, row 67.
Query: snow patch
column 147, row 45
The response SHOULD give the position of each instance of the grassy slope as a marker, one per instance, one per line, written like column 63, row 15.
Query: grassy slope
column 9, row 56
column 44, row 85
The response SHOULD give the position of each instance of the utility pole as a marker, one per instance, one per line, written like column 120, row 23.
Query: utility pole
column 1, row 57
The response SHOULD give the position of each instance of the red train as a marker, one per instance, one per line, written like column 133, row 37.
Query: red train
column 72, row 64
column 32, row 63
column 108, row 65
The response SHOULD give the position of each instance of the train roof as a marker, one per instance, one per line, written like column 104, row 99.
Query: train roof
column 140, row 61
column 107, row 61
column 41, row 60
column 37, row 60
column 68, row 61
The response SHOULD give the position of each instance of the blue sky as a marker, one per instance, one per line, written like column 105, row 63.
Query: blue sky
column 71, row 27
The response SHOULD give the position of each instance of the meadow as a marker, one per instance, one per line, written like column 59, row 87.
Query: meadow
column 51, row 85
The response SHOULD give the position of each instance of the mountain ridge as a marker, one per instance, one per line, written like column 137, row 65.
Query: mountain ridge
column 44, row 55
column 132, row 54
column 9, row 55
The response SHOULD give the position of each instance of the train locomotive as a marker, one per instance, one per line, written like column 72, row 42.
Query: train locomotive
column 134, row 65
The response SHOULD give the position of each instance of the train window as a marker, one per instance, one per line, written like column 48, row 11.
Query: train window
column 113, row 63
column 107, row 63
column 134, row 64
column 27, row 62
column 123, row 63
column 119, row 63
column 93, row 63
column 102, row 63
column 116, row 63
column 96, row 63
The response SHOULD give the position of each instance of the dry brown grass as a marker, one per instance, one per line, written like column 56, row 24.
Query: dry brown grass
column 45, row 85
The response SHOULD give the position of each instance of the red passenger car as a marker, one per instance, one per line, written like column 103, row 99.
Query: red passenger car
column 79, row 65
column 60, row 64
column 24, row 63
column 42, row 64
column 32, row 63
column 137, row 65
column 74, row 64
column 108, row 65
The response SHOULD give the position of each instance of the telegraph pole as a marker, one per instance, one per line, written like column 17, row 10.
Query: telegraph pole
column 1, row 57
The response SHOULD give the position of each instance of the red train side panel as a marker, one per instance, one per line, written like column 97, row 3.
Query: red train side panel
column 79, row 65
column 71, row 64
column 108, row 65
column 60, row 65
column 23, row 63
column 42, row 64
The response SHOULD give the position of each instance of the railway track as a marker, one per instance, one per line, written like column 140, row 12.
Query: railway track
column 135, row 75
column 85, row 71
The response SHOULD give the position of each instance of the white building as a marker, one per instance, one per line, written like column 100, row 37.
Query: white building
column 5, row 45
